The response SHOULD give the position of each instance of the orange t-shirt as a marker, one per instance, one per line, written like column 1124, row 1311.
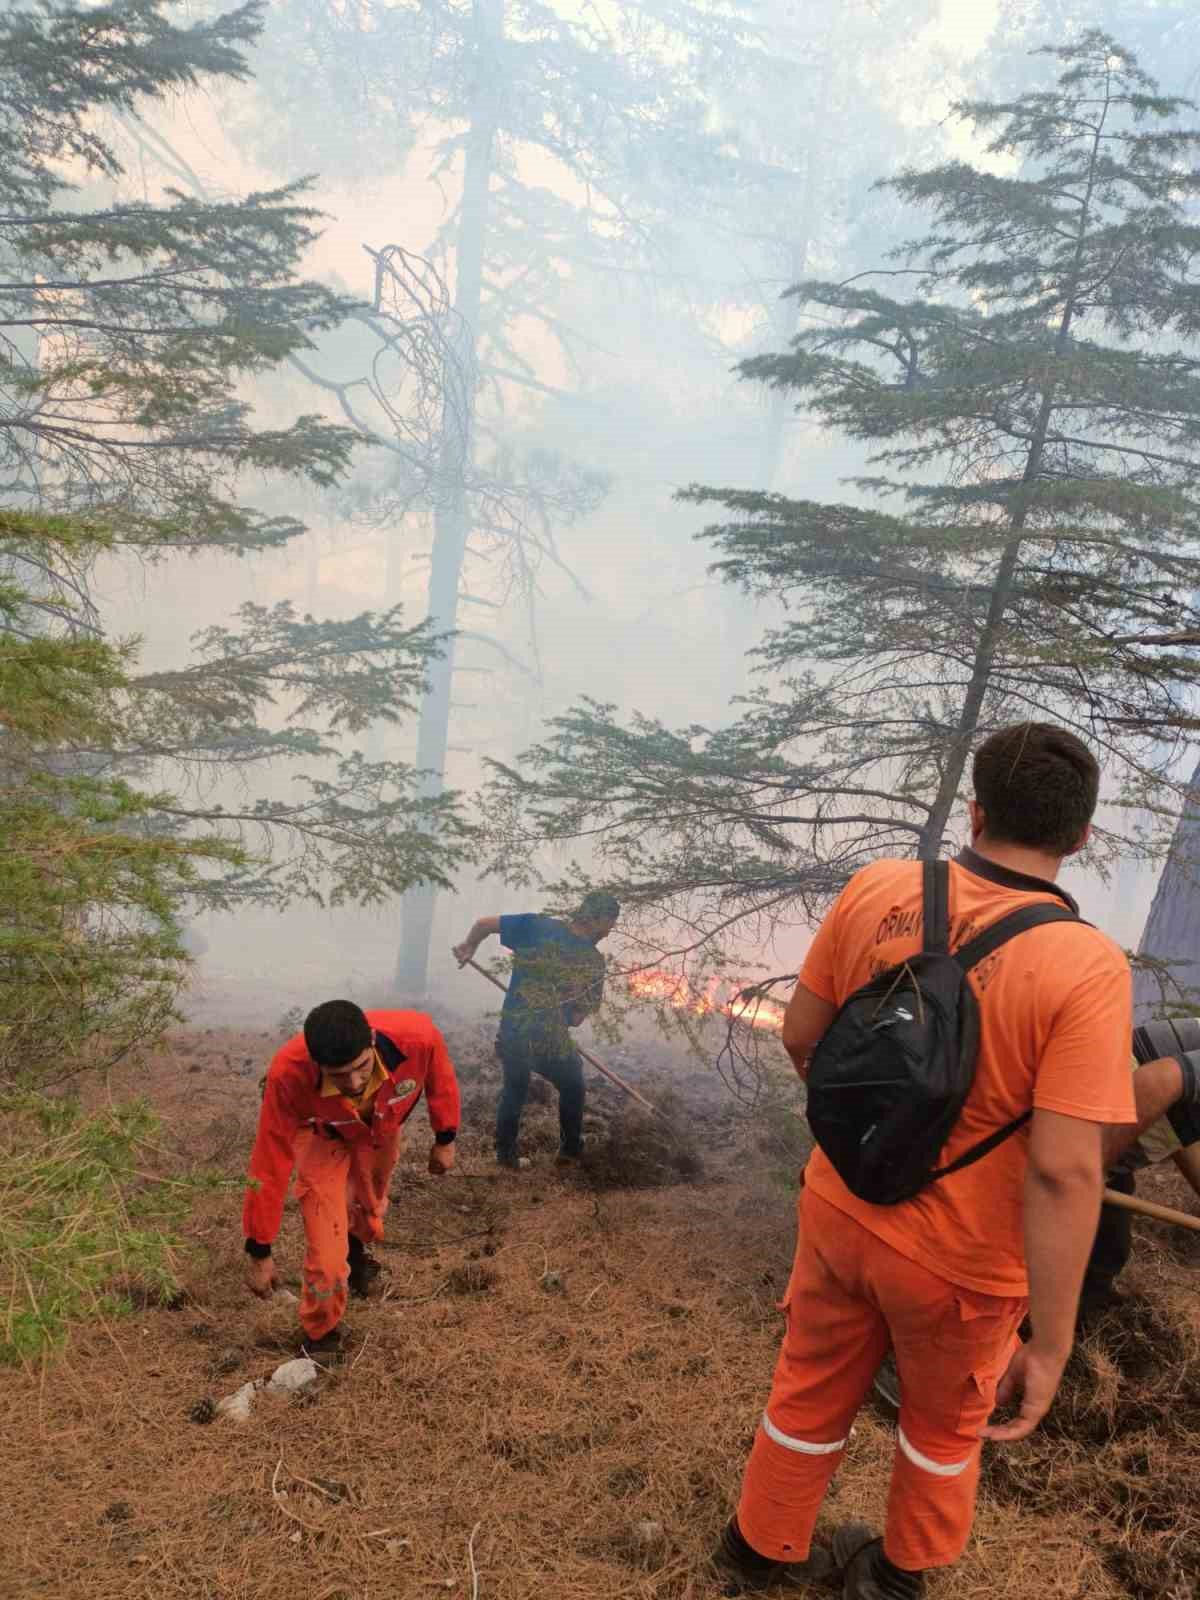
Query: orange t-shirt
column 1056, row 1019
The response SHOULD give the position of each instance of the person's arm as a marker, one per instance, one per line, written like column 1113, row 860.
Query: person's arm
column 805, row 1021
column 444, row 1105
column 1169, row 1087
column 482, row 928
column 1156, row 1088
column 271, row 1163
column 813, row 1004
column 1063, row 1186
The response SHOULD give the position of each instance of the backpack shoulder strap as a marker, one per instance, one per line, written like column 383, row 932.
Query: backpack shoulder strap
column 971, row 954
column 935, row 882
column 1018, row 921
column 984, row 1147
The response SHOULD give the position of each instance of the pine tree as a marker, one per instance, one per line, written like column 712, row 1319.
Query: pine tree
column 1033, row 406
column 130, row 325
column 566, row 141
column 131, row 328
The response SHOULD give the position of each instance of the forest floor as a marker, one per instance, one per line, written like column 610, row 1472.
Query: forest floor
column 494, row 1438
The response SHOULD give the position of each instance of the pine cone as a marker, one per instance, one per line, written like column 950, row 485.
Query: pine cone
column 203, row 1411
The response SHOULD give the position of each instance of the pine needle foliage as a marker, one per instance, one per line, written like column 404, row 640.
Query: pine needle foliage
column 130, row 333
column 129, row 326
column 85, row 1230
column 98, row 864
column 1026, row 387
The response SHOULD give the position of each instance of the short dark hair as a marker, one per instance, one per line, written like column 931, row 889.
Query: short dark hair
column 336, row 1032
column 1038, row 786
column 598, row 906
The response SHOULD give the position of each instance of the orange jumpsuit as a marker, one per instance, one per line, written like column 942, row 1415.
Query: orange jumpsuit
column 343, row 1152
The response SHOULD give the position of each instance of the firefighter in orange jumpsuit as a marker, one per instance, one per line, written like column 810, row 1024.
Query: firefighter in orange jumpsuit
column 334, row 1106
column 946, row 1277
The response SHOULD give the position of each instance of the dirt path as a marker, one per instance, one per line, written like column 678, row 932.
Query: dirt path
column 496, row 1439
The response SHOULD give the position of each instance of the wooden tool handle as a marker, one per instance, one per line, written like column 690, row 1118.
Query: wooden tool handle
column 1147, row 1208
column 606, row 1072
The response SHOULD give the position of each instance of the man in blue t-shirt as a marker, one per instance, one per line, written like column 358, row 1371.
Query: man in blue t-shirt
column 557, row 981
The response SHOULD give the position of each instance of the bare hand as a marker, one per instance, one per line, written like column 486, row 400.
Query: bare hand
column 260, row 1276
column 1033, row 1376
column 441, row 1159
column 464, row 952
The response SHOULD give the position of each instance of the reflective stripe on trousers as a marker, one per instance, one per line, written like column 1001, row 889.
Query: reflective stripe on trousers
column 851, row 1297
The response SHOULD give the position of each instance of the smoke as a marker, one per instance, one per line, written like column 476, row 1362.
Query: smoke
column 619, row 285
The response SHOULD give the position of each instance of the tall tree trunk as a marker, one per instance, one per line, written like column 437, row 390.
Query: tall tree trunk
column 1172, row 931
column 452, row 517
column 786, row 324
column 984, row 659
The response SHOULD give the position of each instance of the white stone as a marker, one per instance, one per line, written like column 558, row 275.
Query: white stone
column 293, row 1375
column 237, row 1405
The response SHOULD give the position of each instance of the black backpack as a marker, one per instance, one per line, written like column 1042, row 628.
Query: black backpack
column 890, row 1077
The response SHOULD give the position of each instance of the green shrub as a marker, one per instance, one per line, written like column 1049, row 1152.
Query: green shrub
column 86, row 1228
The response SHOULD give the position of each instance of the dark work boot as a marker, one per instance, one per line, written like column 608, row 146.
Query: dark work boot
column 867, row 1572
column 327, row 1348
column 364, row 1269
column 754, row 1574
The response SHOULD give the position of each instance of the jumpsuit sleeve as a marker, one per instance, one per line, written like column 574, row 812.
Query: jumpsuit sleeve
column 441, row 1091
column 271, row 1163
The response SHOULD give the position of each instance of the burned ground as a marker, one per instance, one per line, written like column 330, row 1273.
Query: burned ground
column 554, row 1398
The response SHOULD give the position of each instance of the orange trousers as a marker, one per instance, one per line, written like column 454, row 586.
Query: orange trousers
column 850, row 1297
column 342, row 1189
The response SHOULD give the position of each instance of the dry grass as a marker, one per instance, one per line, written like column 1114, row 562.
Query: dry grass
column 499, row 1436
column 1122, row 1445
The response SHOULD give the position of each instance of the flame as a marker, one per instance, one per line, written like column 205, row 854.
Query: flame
column 718, row 997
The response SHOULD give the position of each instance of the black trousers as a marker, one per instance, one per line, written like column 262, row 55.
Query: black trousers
column 564, row 1072
column 1113, row 1244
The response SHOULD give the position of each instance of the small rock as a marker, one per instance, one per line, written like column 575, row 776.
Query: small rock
column 237, row 1405
column 335, row 1488
column 293, row 1375
column 554, row 1283
column 118, row 1511
column 649, row 1538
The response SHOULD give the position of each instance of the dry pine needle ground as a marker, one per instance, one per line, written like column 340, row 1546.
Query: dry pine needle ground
column 556, row 1362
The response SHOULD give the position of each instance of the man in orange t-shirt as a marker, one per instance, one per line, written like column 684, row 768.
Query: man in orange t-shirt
column 945, row 1278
